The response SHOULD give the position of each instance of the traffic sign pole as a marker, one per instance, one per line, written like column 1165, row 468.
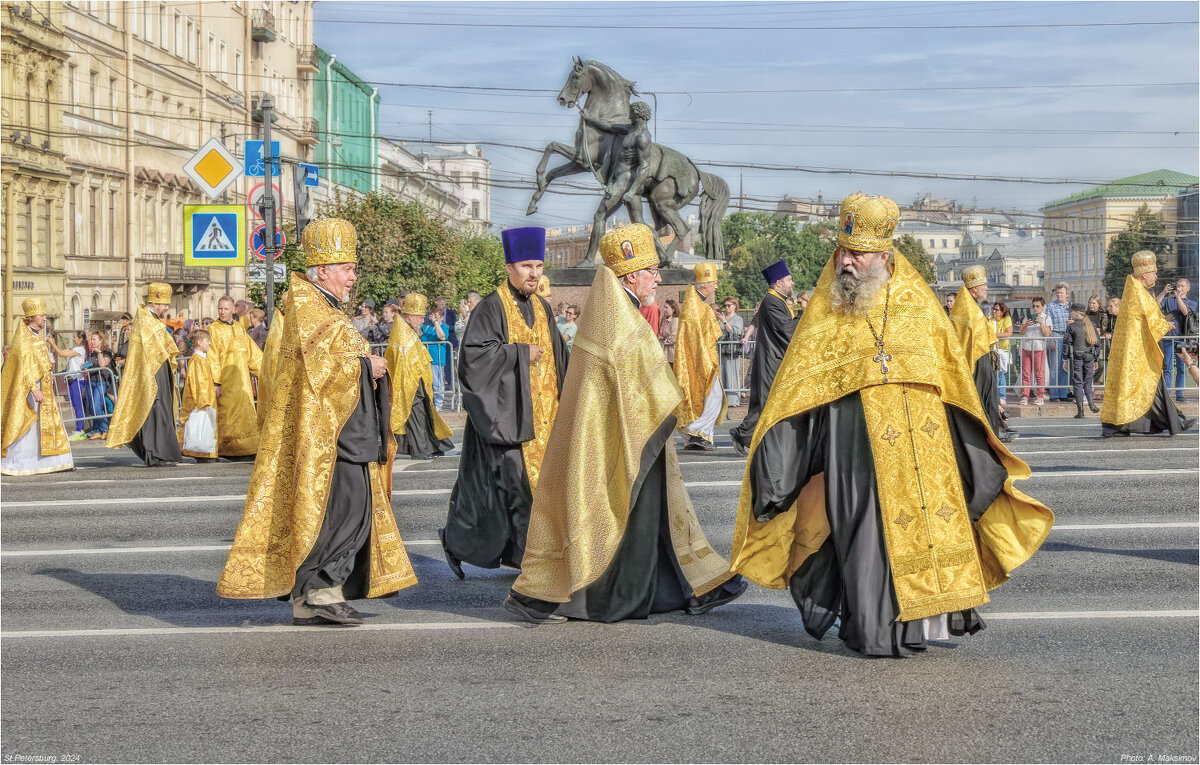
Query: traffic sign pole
column 268, row 106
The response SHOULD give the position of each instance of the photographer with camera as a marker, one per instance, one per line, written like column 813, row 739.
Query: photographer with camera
column 1181, row 312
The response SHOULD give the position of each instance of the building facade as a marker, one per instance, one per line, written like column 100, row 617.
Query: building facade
column 144, row 85
column 346, row 112
column 470, row 179
column 1187, row 217
column 33, row 176
column 1080, row 227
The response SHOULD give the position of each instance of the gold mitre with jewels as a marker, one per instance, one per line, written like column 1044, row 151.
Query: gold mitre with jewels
column 158, row 292
column 416, row 304
column 705, row 272
column 1144, row 262
column 868, row 222
column 328, row 241
column 543, row 289
column 975, row 276
column 626, row 249
column 33, row 307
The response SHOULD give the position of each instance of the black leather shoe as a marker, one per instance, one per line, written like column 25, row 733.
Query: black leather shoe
column 526, row 614
column 718, row 597
column 1095, row 409
column 336, row 613
column 1187, row 423
column 454, row 563
column 162, row 463
column 316, row 621
column 739, row 449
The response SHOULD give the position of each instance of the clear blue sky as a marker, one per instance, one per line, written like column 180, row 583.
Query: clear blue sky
column 962, row 88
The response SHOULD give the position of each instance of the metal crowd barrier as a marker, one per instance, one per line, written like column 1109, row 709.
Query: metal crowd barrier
column 86, row 389
column 1056, row 379
column 452, row 390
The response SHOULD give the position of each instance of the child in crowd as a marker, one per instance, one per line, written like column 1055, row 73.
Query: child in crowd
column 198, row 412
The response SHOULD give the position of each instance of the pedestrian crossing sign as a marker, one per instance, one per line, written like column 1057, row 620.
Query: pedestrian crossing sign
column 214, row 235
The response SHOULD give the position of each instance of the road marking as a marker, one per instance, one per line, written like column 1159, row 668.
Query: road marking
column 430, row 542
column 477, row 625
column 253, row 630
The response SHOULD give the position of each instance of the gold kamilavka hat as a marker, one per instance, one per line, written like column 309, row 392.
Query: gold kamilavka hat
column 158, row 292
column 626, row 249
column 416, row 304
column 975, row 276
column 705, row 272
column 543, row 289
column 328, row 241
column 1144, row 262
column 33, row 306
column 868, row 222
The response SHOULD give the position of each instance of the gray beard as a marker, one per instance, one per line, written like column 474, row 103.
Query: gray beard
column 853, row 293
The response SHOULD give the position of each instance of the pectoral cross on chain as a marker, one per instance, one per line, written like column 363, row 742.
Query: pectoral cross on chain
column 881, row 358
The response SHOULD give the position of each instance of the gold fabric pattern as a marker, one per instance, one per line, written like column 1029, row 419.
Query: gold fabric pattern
column 28, row 368
column 697, row 363
column 630, row 248
column 1136, row 360
column 867, row 222
column 618, row 392
column 409, row 363
column 33, row 307
column 234, row 357
column 270, row 361
column 543, row 377
column 316, row 391
column 974, row 331
column 198, row 392
column 934, row 570
column 328, row 241
column 150, row 345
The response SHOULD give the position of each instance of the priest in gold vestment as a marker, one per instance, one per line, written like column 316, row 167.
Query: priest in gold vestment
column 147, row 399
column 234, row 357
column 511, row 366
column 34, row 439
column 318, row 525
column 976, row 336
column 1135, row 389
column 875, row 491
column 419, row 429
column 270, row 361
column 613, row 534
column 697, row 363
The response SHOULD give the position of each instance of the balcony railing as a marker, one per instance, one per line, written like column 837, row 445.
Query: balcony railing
column 262, row 25
column 169, row 268
column 306, row 58
column 307, row 130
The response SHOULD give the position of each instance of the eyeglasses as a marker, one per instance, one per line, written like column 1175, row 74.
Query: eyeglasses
column 652, row 271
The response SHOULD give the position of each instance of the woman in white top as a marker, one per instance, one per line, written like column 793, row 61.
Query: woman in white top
column 1033, row 352
column 77, row 387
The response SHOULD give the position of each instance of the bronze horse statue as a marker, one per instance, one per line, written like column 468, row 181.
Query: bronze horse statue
column 603, row 97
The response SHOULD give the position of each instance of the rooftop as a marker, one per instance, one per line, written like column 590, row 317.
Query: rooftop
column 1157, row 183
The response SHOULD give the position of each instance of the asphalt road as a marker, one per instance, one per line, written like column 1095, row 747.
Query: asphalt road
column 116, row 648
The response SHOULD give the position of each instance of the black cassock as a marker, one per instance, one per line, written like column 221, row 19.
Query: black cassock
column 156, row 441
column 418, row 439
column 989, row 391
column 775, row 327
column 1162, row 416
column 489, row 505
column 340, row 554
column 849, row 577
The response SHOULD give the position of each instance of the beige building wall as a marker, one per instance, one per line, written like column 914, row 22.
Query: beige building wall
column 145, row 84
column 33, row 174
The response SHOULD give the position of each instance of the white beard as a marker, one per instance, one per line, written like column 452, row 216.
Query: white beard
column 852, row 292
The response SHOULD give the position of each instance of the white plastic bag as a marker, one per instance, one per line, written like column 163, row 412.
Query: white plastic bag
column 200, row 432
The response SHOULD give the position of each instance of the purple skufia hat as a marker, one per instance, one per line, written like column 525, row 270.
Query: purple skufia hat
column 524, row 244
column 775, row 272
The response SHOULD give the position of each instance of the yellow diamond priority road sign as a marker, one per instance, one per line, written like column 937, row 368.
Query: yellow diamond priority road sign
column 213, row 168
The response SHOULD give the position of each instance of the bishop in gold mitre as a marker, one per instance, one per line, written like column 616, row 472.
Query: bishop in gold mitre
column 419, row 429
column 1135, row 388
column 612, row 533
column 511, row 366
column 234, row 358
column 697, row 363
column 976, row 336
column 147, row 399
column 875, row 491
column 34, row 439
column 318, row 526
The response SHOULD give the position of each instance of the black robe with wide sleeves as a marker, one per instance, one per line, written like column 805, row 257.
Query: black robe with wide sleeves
column 775, row 327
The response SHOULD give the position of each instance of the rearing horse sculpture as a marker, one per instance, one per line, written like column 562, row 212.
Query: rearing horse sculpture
column 674, row 181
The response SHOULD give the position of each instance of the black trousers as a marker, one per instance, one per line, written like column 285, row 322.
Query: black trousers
column 1083, row 371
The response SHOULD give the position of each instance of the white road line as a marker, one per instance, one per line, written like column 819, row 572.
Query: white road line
column 1099, row 473
column 430, row 542
column 265, row 629
column 430, row 626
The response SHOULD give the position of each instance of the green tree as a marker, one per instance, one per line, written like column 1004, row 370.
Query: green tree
column 480, row 265
column 912, row 249
column 292, row 257
column 1145, row 231
column 761, row 239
